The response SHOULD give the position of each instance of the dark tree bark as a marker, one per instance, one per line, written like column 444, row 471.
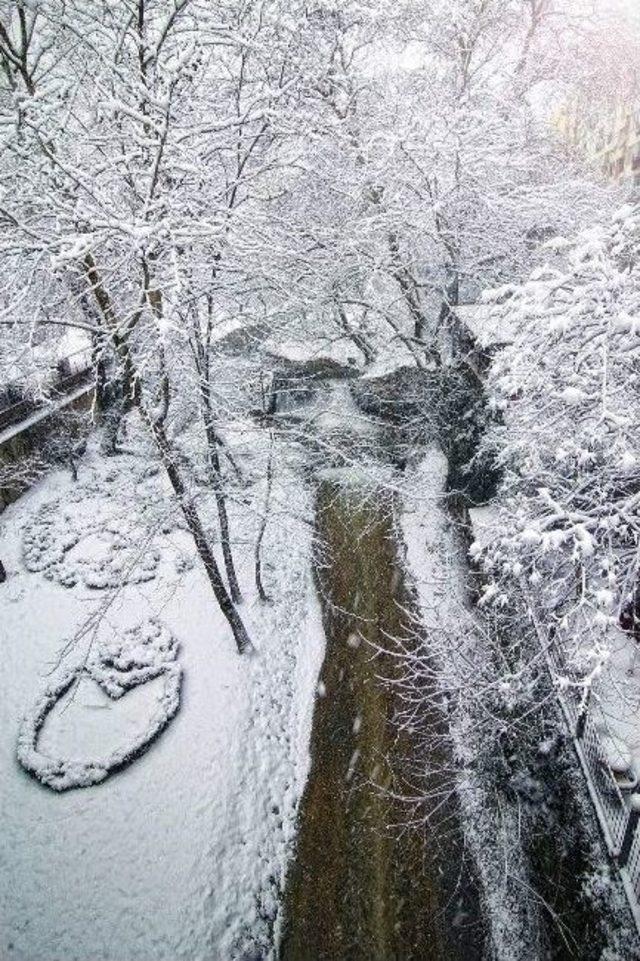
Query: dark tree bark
column 356, row 336
column 451, row 298
column 408, row 287
column 119, row 338
column 264, row 597
column 100, row 366
column 223, row 517
column 213, row 458
column 194, row 523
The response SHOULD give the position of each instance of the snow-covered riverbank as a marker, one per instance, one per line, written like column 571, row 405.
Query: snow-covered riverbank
column 436, row 561
column 540, row 865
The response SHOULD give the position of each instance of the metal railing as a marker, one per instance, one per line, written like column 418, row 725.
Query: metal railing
column 633, row 864
column 617, row 810
column 61, row 387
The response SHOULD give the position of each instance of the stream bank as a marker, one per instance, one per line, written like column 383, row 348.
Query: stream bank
column 364, row 884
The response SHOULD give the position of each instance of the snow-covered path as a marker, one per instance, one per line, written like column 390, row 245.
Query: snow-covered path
column 174, row 856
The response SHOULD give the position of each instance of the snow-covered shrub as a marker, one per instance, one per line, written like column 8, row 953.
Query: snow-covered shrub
column 75, row 541
column 145, row 652
column 566, row 395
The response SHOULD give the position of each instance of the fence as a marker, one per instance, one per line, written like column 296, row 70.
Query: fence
column 72, row 372
column 617, row 810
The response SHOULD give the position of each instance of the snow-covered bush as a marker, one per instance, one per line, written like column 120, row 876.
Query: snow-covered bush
column 75, row 543
column 567, row 401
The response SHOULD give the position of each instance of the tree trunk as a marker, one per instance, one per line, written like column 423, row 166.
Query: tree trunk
column 100, row 366
column 263, row 526
column 409, row 289
column 131, row 395
column 451, row 297
column 113, row 414
column 214, row 466
column 194, row 523
column 214, row 469
column 356, row 336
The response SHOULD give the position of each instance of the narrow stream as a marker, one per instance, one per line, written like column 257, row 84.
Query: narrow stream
column 363, row 885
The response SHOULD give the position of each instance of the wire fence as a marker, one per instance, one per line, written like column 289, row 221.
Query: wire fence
column 633, row 864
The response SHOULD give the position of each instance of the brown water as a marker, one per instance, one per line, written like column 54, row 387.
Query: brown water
column 363, row 886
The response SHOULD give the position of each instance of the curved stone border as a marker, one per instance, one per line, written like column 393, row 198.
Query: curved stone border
column 116, row 669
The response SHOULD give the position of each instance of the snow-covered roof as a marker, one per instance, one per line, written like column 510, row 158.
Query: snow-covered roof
column 233, row 334
column 483, row 321
column 73, row 341
column 340, row 351
column 397, row 356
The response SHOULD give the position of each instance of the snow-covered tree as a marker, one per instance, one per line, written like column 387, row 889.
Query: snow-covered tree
column 137, row 168
column 566, row 393
column 435, row 153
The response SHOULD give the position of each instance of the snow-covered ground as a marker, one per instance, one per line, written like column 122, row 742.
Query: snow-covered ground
column 180, row 854
column 436, row 562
